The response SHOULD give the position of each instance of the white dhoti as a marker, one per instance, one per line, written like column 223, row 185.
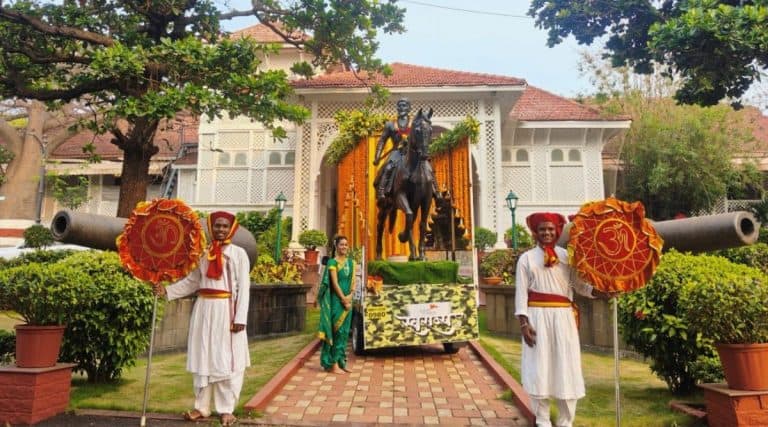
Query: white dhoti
column 551, row 369
column 216, row 356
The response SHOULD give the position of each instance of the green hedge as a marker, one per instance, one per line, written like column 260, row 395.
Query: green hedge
column 108, row 313
column 111, row 328
column 404, row 273
column 653, row 318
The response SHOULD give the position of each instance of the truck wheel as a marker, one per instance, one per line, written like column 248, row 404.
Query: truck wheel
column 452, row 347
column 358, row 343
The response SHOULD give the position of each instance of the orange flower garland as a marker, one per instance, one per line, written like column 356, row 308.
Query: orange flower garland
column 162, row 241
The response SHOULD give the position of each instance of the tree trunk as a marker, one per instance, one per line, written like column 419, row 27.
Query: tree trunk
column 23, row 173
column 134, row 179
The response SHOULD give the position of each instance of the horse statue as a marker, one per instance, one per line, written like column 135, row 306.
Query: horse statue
column 412, row 189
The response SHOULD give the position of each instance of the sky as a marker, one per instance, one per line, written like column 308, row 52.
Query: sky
column 485, row 36
column 482, row 36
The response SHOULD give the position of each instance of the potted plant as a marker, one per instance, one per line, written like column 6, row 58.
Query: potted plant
column 732, row 313
column 484, row 238
column 278, row 297
column 42, row 296
column 311, row 239
column 524, row 239
column 498, row 266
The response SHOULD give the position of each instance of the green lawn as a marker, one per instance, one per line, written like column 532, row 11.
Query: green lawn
column 644, row 398
column 171, row 385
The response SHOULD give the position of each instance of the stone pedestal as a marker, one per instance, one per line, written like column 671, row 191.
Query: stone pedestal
column 311, row 276
column 732, row 408
column 30, row 395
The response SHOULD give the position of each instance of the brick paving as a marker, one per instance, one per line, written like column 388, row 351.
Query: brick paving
column 412, row 386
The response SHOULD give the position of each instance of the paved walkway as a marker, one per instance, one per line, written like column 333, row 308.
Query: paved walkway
column 412, row 386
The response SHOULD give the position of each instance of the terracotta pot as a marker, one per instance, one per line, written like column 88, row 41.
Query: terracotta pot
column 495, row 280
column 310, row 256
column 745, row 365
column 38, row 346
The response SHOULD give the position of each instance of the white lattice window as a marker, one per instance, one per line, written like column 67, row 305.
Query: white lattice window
column 231, row 186
column 241, row 159
column 557, row 155
column 521, row 156
column 574, row 155
column 233, row 140
column 223, row 159
column 275, row 158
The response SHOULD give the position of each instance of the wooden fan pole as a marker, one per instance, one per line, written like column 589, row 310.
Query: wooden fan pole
column 149, row 365
column 615, row 304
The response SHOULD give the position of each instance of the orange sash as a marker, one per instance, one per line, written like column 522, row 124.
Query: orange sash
column 213, row 293
column 540, row 299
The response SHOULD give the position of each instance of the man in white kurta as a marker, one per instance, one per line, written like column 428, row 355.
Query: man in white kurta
column 551, row 355
column 217, row 350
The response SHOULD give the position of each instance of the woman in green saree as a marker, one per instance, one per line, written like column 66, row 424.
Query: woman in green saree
column 335, row 297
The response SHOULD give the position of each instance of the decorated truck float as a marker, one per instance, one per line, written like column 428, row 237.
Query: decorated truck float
column 431, row 299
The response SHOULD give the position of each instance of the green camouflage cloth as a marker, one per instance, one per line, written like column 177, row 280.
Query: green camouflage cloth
column 417, row 314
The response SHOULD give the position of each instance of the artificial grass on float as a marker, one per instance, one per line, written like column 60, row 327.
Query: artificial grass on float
column 405, row 273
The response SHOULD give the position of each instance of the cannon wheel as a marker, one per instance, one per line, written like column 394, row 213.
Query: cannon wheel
column 358, row 342
column 453, row 347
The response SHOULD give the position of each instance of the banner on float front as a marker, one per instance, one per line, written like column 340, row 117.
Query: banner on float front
column 402, row 315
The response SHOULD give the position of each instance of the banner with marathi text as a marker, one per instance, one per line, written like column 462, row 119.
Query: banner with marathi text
column 403, row 315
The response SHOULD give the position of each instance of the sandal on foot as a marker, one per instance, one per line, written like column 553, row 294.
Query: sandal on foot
column 193, row 415
column 228, row 420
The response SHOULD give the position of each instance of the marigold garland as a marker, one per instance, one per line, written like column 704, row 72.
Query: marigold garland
column 468, row 129
column 162, row 241
column 354, row 126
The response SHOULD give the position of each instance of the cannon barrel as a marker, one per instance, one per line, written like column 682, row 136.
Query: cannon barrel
column 703, row 233
column 100, row 232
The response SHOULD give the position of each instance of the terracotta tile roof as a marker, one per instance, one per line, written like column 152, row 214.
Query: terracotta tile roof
column 539, row 105
column 263, row 34
column 169, row 139
column 407, row 75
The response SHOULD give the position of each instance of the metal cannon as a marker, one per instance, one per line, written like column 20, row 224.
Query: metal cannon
column 703, row 233
column 100, row 232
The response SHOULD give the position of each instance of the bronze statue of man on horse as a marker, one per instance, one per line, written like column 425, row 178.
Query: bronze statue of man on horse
column 406, row 182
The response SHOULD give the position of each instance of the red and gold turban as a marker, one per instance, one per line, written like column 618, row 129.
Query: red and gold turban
column 215, row 262
column 533, row 221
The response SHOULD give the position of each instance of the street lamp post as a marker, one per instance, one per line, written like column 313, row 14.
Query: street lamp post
column 512, row 205
column 280, row 205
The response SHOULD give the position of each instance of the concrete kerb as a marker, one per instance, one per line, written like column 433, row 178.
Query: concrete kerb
column 520, row 397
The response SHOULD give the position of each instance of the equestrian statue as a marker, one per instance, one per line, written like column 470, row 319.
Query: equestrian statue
column 406, row 182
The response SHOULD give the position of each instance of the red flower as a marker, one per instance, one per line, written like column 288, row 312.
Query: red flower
column 639, row 315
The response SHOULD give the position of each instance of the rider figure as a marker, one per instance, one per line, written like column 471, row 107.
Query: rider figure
column 398, row 132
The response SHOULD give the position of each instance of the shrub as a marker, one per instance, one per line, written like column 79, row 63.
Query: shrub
column 42, row 294
column 654, row 319
column 311, row 239
column 7, row 346
column 500, row 263
column 484, row 238
column 110, row 327
column 732, row 309
column 266, row 271
column 752, row 256
column 524, row 239
column 37, row 236
column 43, row 256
